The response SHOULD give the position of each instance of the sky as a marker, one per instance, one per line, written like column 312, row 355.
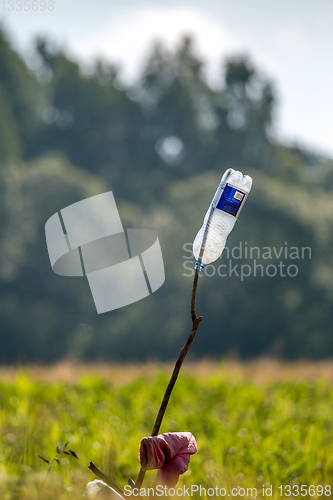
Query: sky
column 289, row 41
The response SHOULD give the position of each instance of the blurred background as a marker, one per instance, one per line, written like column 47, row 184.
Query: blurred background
column 154, row 101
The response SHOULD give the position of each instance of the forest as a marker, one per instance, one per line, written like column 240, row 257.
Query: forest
column 161, row 146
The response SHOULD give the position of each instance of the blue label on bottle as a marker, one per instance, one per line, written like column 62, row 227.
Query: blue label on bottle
column 231, row 200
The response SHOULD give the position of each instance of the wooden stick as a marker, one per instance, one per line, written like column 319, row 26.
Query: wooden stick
column 104, row 478
column 195, row 325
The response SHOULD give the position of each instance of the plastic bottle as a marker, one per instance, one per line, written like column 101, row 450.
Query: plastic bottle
column 221, row 216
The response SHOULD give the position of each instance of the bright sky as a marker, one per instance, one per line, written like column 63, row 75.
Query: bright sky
column 291, row 41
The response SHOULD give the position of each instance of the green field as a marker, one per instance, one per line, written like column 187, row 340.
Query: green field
column 258, row 424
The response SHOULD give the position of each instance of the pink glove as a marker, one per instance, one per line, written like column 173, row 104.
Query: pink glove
column 170, row 453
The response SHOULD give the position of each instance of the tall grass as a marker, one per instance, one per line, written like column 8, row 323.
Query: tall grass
column 249, row 434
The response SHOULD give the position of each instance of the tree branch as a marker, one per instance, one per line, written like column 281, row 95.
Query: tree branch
column 195, row 325
column 105, row 479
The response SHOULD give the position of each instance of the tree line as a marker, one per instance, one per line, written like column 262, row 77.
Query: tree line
column 161, row 145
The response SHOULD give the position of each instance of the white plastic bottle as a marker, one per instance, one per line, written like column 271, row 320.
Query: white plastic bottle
column 221, row 216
